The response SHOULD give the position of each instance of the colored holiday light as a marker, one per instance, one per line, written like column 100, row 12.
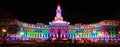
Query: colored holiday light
column 58, row 11
column 59, row 28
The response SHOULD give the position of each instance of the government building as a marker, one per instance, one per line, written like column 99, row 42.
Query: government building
column 106, row 30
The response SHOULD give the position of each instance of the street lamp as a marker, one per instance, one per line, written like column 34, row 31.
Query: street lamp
column 22, row 33
column 4, row 31
column 119, row 32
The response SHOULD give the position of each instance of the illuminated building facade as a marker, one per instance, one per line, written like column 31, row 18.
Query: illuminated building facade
column 58, row 28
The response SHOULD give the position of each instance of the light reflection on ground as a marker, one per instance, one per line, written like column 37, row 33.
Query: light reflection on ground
column 57, row 44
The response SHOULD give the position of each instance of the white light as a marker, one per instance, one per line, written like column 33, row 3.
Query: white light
column 119, row 32
column 94, row 31
column 22, row 33
column 100, row 34
column 59, row 21
column 57, row 35
column 4, row 30
column 64, row 36
column 80, row 33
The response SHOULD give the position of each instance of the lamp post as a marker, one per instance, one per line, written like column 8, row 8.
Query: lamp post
column 4, row 31
column 118, row 34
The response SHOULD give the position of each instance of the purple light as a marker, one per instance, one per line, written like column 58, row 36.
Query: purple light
column 119, row 39
column 58, row 11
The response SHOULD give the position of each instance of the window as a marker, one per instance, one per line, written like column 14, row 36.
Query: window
column 116, row 22
column 111, row 22
column 64, row 24
column 57, row 24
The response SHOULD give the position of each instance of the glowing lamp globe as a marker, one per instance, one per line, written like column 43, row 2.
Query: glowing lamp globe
column 21, row 33
column 119, row 32
column 100, row 34
column 3, row 30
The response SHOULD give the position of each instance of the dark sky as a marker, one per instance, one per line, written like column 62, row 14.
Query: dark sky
column 72, row 11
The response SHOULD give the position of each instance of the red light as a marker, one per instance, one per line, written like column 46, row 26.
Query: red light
column 53, row 24
column 111, row 22
column 116, row 22
column 60, row 24
column 105, row 22
column 63, row 32
column 15, row 21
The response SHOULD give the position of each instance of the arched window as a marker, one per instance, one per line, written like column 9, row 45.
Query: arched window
column 110, row 22
column 116, row 22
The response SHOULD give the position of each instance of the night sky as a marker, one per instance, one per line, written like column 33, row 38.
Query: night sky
column 72, row 11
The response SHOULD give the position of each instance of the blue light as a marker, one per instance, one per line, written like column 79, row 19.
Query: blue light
column 69, row 36
column 77, row 31
column 12, row 38
column 102, row 38
column 118, row 39
column 106, row 39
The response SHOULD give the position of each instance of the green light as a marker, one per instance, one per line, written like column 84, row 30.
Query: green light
column 72, row 31
column 64, row 24
column 112, row 34
column 19, row 34
column 57, row 24
column 88, row 34
column 2, row 34
column 83, row 35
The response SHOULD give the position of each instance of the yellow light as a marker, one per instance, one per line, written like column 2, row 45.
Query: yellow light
column 53, row 38
column 65, row 38
column 82, row 41
column 119, row 32
column 77, row 35
column 21, row 33
column 100, row 34
column 3, row 30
